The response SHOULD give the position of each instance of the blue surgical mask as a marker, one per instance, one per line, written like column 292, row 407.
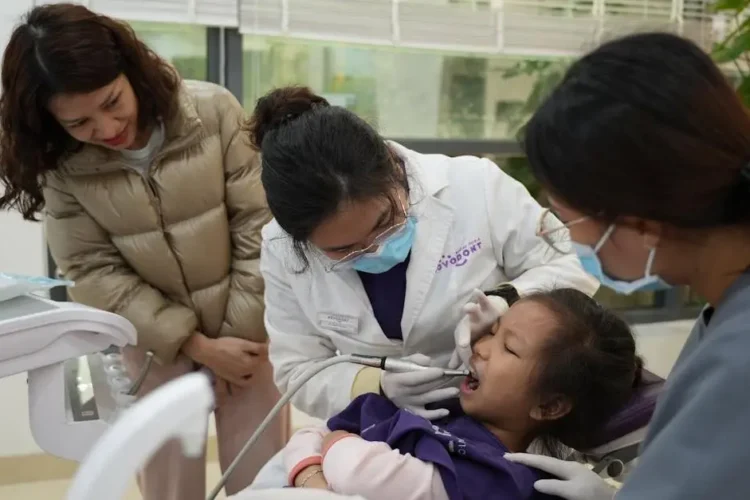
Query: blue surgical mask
column 592, row 265
column 390, row 253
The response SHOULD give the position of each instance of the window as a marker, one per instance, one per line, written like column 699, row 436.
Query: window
column 184, row 45
column 404, row 93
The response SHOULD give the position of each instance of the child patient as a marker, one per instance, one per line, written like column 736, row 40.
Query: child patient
column 555, row 368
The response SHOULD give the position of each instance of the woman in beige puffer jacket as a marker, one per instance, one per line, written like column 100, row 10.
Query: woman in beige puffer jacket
column 153, row 205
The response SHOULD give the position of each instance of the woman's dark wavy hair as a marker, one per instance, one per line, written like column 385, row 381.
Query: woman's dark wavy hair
column 66, row 48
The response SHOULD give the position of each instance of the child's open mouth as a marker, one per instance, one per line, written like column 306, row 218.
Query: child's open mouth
column 470, row 384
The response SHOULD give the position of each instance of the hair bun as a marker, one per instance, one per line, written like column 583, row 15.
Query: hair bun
column 281, row 106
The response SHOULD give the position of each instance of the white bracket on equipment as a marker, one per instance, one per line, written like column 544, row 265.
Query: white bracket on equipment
column 47, row 339
column 178, row 409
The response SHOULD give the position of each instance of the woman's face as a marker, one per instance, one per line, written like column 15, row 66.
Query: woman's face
column 106, row 117
column 357, row 225
column 624, row 255
column 504, row 392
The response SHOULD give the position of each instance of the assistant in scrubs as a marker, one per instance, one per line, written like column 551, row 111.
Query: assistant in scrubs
column 374, row 249
column 645, row 148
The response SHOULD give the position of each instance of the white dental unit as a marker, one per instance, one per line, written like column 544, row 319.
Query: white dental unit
column 178, row 409
column 80, row 402
column 74, row 392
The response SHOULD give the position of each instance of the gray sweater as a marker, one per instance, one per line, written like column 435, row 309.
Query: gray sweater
column 698, row 442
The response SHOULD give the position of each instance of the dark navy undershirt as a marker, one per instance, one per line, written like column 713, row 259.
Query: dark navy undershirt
column 387, row 293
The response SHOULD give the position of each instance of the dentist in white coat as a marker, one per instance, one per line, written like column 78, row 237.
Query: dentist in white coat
column 374, row 249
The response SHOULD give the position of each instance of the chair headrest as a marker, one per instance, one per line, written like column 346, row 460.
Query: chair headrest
column 637, row 413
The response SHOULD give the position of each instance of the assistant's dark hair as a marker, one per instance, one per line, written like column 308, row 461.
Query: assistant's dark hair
column 66, row 48
column 590, row 360
column 645, row 126
column 316, row 156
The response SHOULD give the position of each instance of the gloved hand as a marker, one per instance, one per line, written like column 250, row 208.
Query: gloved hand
column 480, row 313
column 577, row 482
column 413, row 390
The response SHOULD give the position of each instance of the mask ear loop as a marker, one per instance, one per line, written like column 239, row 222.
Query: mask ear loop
column 604, row 238
column 650, row 261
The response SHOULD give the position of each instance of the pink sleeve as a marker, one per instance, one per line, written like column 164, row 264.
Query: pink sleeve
column 353, row 466
column 303, row 450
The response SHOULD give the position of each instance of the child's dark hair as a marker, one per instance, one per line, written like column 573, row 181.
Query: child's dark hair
column 590, row 360
column 316, row 156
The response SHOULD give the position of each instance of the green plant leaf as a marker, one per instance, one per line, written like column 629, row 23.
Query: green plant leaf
column 736, row 5
column 744, row 91
column 732, row 49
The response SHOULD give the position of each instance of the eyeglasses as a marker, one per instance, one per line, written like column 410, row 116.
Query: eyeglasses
column 380, row 239
column 554, row 232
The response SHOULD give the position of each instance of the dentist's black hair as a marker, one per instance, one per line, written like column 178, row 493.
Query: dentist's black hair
column 645, row 126
column 590, row 361
column 316, row 157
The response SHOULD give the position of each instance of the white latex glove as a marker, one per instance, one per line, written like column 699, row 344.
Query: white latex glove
column 413, row 390
column 480, row 314
column 577, row 482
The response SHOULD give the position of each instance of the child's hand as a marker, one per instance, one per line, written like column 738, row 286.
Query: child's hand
column 331, row 438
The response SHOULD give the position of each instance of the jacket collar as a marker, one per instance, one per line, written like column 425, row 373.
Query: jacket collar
column 181, row 130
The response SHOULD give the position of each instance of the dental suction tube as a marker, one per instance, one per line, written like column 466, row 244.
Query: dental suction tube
column 390, row 364
column 385, row 363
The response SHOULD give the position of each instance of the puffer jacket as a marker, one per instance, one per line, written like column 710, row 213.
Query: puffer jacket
column 174, row 251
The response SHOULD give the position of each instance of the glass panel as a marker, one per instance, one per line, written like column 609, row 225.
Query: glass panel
column 694, row 299
column 404, row 93
column 614, row 300
column 184, row 45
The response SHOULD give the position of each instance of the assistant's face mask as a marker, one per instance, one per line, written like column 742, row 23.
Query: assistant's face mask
column 391, row 252
column 592, row 265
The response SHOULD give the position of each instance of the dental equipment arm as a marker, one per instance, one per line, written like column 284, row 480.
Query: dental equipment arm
column 48, row 339
column 178, row 409
column 385, row 363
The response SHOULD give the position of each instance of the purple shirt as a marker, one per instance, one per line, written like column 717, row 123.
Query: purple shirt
column 387, row 293
column 468, row 457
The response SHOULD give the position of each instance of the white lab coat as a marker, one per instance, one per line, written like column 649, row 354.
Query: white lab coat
column 476, row 228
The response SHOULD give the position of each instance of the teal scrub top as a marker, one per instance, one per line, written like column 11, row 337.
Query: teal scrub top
column 698, row 442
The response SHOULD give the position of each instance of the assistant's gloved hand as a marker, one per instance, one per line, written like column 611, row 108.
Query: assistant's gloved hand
column 413, row 390
column 480, row 314
column 577, row 482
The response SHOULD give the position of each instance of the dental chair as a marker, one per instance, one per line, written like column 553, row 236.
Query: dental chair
column 617, row 447
column 75, row 391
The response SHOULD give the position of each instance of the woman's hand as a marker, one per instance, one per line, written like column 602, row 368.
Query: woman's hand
column 232, row 359
column 576, row 481
column 480, row 316
column 311, row 477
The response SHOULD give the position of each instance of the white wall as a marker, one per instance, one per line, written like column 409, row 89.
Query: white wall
column 21, row 251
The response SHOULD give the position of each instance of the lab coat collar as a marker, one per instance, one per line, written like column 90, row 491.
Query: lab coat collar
column 421, row 182
column 434, row 220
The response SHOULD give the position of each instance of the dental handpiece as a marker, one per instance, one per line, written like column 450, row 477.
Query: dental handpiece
column 399, row 365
